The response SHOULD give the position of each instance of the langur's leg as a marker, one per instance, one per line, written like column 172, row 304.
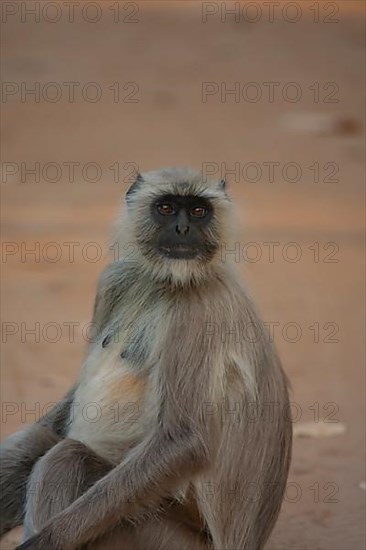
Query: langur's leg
column 59, row 478
column 69, row 469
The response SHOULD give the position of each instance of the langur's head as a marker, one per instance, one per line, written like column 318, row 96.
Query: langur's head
column 178, row 222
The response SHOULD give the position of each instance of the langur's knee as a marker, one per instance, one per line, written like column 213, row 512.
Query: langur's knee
column 58, row 478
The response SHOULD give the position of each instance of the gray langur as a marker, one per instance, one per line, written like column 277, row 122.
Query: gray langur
column 182, row 455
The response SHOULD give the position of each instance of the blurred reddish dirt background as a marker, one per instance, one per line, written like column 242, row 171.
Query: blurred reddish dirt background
column 314, row 304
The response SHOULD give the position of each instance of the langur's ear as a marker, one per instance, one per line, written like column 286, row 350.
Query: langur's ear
column 139, row 180
column 222, row 184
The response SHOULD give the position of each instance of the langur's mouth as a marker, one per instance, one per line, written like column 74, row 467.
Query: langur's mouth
column 178, row 251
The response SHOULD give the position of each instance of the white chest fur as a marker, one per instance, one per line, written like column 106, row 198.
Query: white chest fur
column 107, row 414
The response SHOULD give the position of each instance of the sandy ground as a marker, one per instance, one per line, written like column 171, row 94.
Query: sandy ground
column 314, row 304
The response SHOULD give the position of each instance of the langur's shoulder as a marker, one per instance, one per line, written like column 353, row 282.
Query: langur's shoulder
column 117, row 273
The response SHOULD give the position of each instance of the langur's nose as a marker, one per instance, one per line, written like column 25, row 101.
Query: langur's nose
column 182, row 228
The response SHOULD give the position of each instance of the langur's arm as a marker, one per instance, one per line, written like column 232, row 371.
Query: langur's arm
column 180, row 445
column 19, row 453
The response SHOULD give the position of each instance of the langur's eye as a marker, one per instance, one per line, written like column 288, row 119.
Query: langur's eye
column 199, row 212
column 166, row 209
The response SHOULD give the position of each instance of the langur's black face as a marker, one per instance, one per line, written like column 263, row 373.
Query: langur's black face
column 183, row 227
column 178, row 222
